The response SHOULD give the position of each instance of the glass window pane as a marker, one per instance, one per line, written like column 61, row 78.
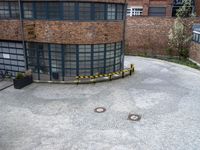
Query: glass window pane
column 28, row 10
column 99, row 11
column 69, row 10
column 4, row 10
column 41, row 10
column 111, row 11
column 157, row 11
column 14, row 9
column 84, row 11
column 119, row 12
column 54, row 10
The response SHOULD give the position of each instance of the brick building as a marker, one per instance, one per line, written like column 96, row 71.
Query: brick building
column 157, row 7
column 146, row 34
column 62, row 39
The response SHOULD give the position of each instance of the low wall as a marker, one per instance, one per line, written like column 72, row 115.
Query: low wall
column 149, row 35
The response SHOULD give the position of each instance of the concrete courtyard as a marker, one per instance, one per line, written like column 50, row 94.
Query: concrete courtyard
column 62, row 117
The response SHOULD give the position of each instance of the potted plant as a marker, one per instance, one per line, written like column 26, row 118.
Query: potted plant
column 23, row 79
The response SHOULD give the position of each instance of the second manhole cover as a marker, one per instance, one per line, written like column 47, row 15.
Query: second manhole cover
column 134, row 117
column 99, row 110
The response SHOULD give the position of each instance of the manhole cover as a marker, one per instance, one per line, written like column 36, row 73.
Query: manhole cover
column 99, row 109
column 134, row 117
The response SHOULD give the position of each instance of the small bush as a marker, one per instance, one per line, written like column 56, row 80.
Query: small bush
column 169, row 51
column 20, row 75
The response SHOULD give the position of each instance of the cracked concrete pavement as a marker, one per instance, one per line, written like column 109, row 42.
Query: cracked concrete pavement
column 62, row 117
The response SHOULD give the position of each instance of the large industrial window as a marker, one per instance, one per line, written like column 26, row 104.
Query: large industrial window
column 68, row 11
column 157, row 11
column 54, row 10
column 31, row 51
column 98, row 59
column 99, row 11
column 70, row 60
column 58, row 62
column 118, row 55
column 84, row 11
column 11, row 57
column 64, row 10
column 4, row 10
column 9, row 10
column 41, row 10
column 28, row 10
column 14, row 10
column 111, row 12
column 84, row 59
column 110, row 51
column 43, row 60
column 120, row 12
column 38, row 60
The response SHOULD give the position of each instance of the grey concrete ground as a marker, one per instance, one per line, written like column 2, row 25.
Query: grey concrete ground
column 61, row 117
column 5, row 83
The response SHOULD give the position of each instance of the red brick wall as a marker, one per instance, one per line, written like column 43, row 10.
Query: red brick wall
column 195, row 52
column 10, row 30
column 64, row 32
column 197, row 7
column 149, row 35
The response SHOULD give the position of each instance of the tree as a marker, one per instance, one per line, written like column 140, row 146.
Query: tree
column 180, row 38
column 186, row 9
column 180, row 35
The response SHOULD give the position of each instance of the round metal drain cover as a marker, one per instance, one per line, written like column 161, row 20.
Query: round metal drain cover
column 134, row 117
column 99, row 109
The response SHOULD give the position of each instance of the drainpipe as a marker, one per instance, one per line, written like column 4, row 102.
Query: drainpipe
column 124, row 31
column 22, row 32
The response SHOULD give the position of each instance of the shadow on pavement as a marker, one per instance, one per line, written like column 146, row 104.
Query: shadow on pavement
column 5, row 84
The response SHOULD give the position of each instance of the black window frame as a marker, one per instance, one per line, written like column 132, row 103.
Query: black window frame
column 40, row 10
column 155, row 12
column 9, row 10
column 80, row 11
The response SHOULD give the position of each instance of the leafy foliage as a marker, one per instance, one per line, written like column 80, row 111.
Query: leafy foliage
column 180, row 35
column 185, row 10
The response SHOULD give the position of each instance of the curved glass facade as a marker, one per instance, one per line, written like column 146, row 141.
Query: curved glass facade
column 58, row 62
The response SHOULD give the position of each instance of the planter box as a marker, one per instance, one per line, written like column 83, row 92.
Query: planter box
column 55, row 75
column 20, row 83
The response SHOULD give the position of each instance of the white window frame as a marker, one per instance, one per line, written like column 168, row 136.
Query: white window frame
column 131, row 11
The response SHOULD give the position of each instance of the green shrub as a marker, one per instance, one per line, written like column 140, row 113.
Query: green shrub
column 169, row 51
column 19, row 75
